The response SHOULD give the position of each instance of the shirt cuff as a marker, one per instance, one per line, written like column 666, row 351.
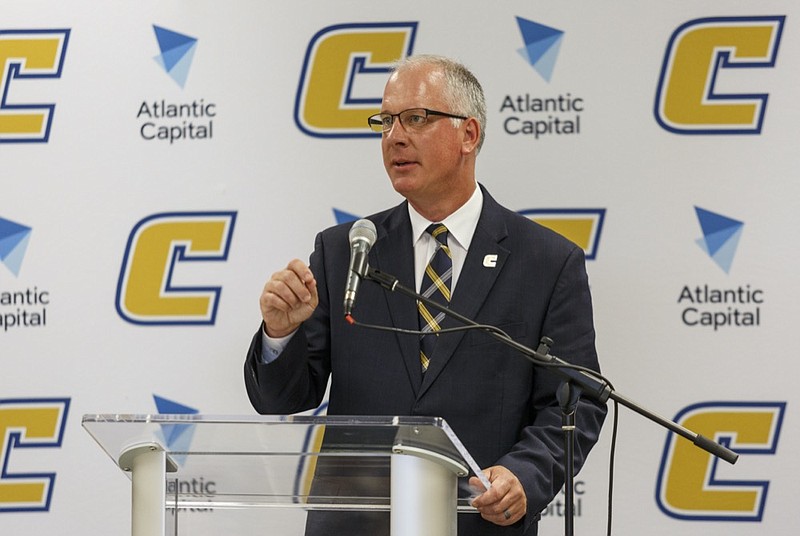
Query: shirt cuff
column 272, row 347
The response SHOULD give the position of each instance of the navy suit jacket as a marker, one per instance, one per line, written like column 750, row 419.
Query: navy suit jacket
column 518, row 276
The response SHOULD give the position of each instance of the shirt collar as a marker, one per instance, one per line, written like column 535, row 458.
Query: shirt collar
column 461, row 224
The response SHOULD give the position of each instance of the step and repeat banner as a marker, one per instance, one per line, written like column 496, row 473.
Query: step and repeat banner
column 160, row 160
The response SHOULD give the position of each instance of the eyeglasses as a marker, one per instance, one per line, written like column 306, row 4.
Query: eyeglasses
column 413, row 118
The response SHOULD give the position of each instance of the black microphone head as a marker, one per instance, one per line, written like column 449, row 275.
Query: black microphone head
column 363, row 230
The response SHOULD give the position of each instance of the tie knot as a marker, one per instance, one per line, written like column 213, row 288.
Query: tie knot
column 439, row 232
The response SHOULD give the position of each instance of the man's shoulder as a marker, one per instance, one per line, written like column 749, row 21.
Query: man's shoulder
column 520, row 227
column 385, row 218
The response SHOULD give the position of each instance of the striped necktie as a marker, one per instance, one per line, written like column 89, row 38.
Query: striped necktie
column 435, row 286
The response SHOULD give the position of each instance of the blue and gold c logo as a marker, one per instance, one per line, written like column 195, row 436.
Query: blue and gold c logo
column 698, row 53
column 28, row 424
column 28, row 54
column 580, row 226
column 343, row 76
column 689, row 485
column 147, row 292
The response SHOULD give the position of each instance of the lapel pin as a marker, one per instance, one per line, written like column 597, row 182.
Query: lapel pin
column 490, row 261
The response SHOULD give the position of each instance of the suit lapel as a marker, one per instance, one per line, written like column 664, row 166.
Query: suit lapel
column 394, row 254
column 482, row 266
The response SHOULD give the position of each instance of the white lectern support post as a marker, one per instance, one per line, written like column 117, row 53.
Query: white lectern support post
column 147, row 464
column 424, row 493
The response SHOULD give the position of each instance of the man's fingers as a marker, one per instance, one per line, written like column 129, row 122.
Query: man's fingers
column 505, row 502
column 288, row 299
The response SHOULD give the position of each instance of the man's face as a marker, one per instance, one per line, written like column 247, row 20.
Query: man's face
column 425, row 165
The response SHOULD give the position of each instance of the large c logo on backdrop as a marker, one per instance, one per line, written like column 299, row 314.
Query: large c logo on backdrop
column 28, row 54
column 580, row 226
column 147, row 292
column 698, row 54
column 32, row 424
column 688, row 485
column 343, row 75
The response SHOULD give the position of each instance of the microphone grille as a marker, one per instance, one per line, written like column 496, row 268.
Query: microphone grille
column 363, row 229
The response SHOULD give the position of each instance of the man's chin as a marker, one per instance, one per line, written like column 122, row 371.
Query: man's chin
column 404, row 186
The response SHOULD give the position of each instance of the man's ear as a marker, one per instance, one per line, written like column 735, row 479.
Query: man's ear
column 472, row 135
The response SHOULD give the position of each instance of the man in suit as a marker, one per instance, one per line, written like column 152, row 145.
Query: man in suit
column 506, row 271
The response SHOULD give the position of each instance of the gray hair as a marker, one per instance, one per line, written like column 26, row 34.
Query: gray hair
column 463, row 92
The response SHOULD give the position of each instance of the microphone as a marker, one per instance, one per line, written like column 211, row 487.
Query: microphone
column 362, row 236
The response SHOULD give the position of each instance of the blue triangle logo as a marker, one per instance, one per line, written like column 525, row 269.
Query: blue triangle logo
column 177, row 53
column 542, row 44
column 721, row 236
column 343, row 217
column 177, row 437
column 14, row 238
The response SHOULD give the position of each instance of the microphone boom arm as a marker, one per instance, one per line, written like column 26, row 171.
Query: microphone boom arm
column 597, row 388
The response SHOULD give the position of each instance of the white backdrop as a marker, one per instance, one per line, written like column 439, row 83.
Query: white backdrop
column 280, row 159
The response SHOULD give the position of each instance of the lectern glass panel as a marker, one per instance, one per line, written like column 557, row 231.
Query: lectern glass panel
column 232, row 471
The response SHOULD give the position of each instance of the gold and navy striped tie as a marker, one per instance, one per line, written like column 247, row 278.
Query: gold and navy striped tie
column 435, row 286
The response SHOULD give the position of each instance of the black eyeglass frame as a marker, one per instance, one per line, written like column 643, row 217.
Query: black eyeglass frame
column 377, row 120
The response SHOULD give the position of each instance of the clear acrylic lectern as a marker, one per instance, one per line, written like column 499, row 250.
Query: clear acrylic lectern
column 199, row 474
